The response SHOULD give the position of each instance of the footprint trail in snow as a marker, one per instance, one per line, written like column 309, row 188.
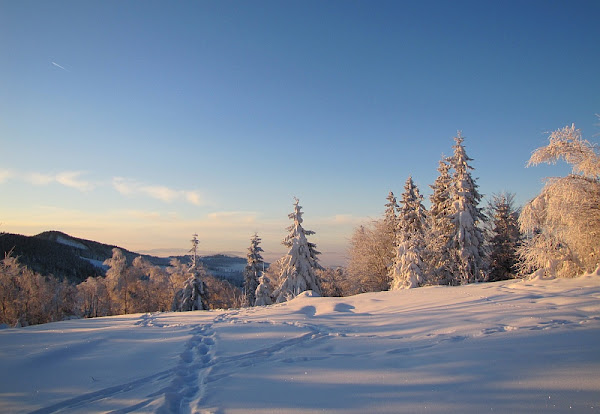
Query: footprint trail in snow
column 187, row 387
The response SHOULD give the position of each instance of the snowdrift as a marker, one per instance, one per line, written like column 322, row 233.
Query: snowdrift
column 512, row 346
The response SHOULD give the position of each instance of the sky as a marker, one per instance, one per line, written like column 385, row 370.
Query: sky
column 140, row 123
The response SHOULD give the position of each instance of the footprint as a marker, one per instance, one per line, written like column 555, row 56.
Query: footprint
column 202, row 349
column 187, row 356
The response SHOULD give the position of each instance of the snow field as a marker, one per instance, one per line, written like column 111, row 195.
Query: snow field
column 512, row 346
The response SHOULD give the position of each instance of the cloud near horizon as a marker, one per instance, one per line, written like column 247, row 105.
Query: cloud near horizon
column 126, row 186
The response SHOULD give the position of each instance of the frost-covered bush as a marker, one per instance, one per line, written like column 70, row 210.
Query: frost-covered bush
column 563, row 222
column 28, row 298
column 370, row 255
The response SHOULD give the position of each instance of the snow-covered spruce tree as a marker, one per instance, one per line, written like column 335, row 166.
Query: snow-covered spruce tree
column 503, row 236
column 193, row 295
column 390, row 227
column 408, row 268
column 270, row 279
column 390, row 217
column 440, row 228
column 253, row 270
column 562, row 224
column 299, row 266
column 264, row 291
column 467, row 241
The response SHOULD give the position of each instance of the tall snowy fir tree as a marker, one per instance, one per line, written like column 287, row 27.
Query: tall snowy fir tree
column 504, row 237
column 437, row 254
column 390, row 223
column 390, row 217
column 407, row 270
column 253, row 270
column 299, row 266
column 193, row 295
column 467, row 242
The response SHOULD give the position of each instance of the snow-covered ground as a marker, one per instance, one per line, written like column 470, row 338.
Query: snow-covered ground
column 512, row 346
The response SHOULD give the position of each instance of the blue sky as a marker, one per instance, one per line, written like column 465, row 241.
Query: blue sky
column 140, row 123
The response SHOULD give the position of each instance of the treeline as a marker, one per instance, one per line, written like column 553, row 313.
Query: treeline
column 28, row 298
column 457, row 241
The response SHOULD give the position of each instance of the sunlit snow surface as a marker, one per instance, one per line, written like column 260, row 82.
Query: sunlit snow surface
column 513, row 346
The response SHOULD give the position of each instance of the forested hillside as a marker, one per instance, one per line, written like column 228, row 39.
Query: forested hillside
column 63, row 256
column 48, row 257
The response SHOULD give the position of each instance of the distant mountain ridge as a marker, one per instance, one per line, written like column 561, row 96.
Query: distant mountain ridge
column 75, row 259
column 93, row 250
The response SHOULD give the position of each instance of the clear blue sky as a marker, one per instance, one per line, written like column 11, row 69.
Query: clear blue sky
column 141, row 122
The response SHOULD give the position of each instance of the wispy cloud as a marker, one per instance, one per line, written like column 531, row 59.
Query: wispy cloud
column 124, row 186
column 194, row 198
column 67, row 178
column 161, row 193
column 71, row 179
column 130, row 187
column 38, row 178
column 60, row 66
